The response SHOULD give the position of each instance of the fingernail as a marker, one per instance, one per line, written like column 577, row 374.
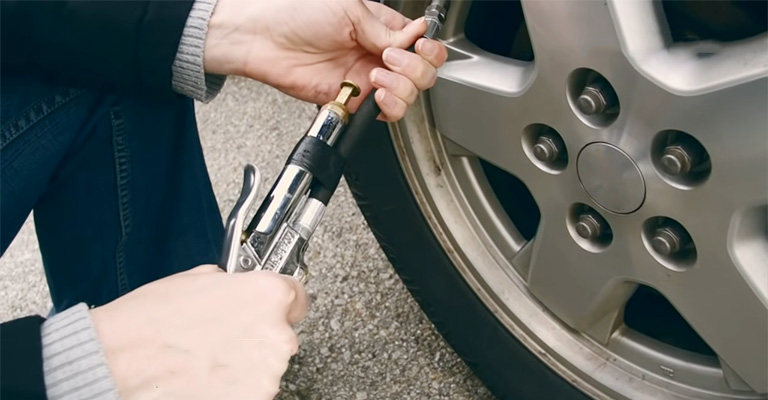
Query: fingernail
column 394, row 57
column 428, row 48
column 382, row 78
column 416, row 21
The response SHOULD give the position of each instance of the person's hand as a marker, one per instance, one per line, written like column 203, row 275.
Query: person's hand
column 202, row 334
column 306, row 48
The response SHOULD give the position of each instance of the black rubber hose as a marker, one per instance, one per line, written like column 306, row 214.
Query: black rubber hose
column 359, row 123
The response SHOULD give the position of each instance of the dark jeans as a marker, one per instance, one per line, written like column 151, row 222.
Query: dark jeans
column 118, row 185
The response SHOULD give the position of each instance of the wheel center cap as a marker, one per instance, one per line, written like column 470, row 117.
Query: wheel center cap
column 611, row 178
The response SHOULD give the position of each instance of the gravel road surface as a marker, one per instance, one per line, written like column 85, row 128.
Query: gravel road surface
column 364, row 337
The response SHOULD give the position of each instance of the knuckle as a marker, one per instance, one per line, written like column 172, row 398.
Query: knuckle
column 426, row 76
column 287, row 292
column 278, row 287
column 402, row 108
column 420, row 73
column 398, row 110
column 284, row 287
column 432, row 80
column 442, row 55
column 286, row 339
column 413, row 93
column 406, row 89
column 292, row 343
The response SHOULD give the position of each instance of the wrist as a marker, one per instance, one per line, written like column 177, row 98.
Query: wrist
column 73, row 359
column 225, row 42
column 189, row 75
column 124, row 350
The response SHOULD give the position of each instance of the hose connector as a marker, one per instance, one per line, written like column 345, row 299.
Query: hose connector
column 348, row 90
column 435, row 17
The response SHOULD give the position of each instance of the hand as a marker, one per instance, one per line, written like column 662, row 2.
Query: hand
column 202, row 334
column 305, row 48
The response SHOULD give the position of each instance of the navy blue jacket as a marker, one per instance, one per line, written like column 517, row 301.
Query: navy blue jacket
column 121, row 45
column 109, row 44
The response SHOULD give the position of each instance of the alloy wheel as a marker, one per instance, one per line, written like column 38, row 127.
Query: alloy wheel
column 605, row 192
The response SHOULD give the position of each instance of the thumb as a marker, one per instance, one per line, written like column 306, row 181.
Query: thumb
column 375, row 36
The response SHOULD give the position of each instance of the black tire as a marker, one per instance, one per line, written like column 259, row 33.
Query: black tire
column 505, row 366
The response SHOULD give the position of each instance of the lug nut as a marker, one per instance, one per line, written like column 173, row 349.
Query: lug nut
column 546, row 149
column 588, row 227
column 591, row 101
column 667, row 241
column 676, row 161
column 596, row 98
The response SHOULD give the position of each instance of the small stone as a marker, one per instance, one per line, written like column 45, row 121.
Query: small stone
column 335, row 325
column 291, row 387
column 361, row 396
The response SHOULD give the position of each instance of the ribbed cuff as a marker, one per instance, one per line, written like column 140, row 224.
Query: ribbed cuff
column 73, row 361
column 189, row 77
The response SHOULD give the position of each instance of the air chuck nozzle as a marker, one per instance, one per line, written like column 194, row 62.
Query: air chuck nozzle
column 348, row 90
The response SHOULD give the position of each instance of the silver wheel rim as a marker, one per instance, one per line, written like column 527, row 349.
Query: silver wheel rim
column 560, row 294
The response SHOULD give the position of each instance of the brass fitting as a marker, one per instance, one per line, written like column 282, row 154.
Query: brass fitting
column 349, row 90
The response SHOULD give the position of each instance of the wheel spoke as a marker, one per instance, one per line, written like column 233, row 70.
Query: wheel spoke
column 732, row 379
column 581, row 33
column 730, row 126
column 722, row 307
column 582, row 288
column 734, row 131
column 725, row 296
column 476, row 103
column 685, row 68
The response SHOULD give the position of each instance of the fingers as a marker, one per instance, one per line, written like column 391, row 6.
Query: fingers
column 300, row 305
column 419, row 67
column 284, row 292
column 376, row 34
column 391, row 18
column 433, row 51
column 397, row 84
column 408, row 74
column 392, row 107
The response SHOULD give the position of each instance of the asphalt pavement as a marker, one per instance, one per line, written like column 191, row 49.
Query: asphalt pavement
column 364, row 336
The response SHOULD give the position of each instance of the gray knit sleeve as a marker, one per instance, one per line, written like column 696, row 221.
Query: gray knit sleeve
column 74, row 364
column 189, row 77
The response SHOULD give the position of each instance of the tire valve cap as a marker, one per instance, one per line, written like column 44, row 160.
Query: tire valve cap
column 676, row 160
column 667, row 242
column 588, row 227
column 546, row 149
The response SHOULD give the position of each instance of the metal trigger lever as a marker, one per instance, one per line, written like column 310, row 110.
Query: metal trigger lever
column 234, row 234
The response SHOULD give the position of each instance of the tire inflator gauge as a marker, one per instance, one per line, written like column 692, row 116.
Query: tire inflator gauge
column 278, row 235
